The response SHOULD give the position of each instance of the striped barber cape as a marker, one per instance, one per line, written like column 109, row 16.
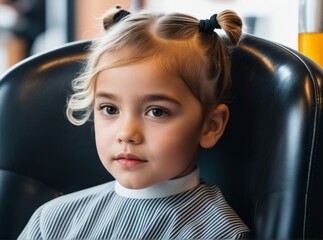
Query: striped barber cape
column 184, row 208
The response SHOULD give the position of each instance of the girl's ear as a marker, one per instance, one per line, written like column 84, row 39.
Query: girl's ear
column 214, row 125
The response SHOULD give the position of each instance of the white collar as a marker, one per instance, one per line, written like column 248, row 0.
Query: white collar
column 163, row 189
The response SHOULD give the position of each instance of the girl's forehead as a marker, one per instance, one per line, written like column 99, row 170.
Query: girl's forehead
column 179, row 62
column 159, row 62
column 146, row 74
column 145, row 69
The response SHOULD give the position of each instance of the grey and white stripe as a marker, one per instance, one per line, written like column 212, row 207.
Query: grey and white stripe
column 101, row 213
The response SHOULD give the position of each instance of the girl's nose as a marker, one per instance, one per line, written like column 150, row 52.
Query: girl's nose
column 130, row 132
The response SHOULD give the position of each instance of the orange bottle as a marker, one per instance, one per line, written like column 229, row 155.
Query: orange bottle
column 310, row 36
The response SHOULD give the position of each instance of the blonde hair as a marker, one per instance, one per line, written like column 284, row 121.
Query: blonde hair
column 174, row 42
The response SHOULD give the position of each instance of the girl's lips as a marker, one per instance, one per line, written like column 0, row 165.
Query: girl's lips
column 129, row 160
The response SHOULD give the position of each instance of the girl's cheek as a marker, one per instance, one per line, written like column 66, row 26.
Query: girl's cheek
column 167, row 144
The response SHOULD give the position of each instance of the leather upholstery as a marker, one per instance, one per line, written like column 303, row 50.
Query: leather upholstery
column 269, row 163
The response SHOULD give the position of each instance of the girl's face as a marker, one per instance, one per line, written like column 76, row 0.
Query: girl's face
column 148, row 125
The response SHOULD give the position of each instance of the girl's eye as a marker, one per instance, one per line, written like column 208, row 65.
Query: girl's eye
column 109, row 110
column 157, row 112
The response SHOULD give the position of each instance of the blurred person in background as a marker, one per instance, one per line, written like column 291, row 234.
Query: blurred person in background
column 29, row 22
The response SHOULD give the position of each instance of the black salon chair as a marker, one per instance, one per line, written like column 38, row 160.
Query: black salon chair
column 269, row 162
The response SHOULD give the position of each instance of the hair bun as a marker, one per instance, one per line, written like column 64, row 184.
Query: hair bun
column 109, row 16
column 231, row 23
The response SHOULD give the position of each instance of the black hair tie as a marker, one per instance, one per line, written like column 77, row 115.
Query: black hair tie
column 120, row 15
column 208, row 25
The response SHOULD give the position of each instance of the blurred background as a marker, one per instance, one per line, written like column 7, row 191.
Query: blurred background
column 28, row 27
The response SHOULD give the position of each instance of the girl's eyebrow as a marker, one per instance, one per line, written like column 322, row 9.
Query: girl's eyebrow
column 161, row 97
column 106, row 95
column 146, row 98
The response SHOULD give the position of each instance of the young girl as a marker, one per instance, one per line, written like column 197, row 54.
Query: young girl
column 157, row 86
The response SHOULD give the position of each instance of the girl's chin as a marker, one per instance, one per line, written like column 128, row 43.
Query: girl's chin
column 134, row 185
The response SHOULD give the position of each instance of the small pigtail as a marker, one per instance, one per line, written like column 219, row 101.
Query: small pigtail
column 113, row 15
column 231, row 23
